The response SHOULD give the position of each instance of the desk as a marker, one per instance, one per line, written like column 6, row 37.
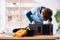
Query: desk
column 39, row 37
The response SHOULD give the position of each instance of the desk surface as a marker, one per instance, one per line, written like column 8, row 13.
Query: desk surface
column 34, row 37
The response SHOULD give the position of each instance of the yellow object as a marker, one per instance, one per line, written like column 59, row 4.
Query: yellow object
column 28, row 28
column 20, row 33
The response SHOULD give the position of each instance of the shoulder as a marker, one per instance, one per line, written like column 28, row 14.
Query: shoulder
column 35, row 9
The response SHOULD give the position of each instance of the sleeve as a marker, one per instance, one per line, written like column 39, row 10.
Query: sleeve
column 50, row 19
column 28, row 14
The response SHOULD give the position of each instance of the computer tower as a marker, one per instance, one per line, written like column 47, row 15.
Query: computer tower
column 42, row 29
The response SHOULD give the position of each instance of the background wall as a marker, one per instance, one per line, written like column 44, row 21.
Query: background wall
column 2, row 15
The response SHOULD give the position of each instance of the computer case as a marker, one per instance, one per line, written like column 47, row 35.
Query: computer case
column 42, row 29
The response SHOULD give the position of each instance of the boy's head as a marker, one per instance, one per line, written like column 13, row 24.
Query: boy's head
column 46, row 13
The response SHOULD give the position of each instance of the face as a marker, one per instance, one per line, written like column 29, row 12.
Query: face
column 42, row 12
column 43, row 15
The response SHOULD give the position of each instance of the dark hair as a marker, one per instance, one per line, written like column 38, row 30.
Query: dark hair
column 47, row 13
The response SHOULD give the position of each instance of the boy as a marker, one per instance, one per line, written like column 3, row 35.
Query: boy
column 39, row 14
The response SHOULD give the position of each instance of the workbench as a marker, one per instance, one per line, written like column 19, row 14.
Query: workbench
column 37, row 37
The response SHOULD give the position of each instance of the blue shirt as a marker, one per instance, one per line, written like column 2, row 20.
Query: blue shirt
column 35, row 15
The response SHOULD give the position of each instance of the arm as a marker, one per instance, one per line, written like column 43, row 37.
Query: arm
column 29, row 16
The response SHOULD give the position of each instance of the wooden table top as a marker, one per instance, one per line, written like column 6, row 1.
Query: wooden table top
column 33, row 37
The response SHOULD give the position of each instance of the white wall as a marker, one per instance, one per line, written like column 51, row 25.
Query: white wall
column 2, row 15
column 52, row 4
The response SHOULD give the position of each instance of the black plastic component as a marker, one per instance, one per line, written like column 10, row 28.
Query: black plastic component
column 30, row 33
column 15, row 30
